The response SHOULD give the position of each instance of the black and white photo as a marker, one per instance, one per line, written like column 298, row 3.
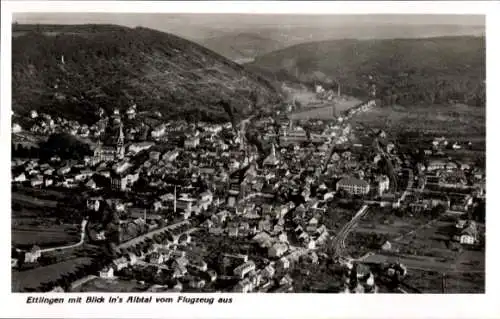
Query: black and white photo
column 240, row 159
column 248, row 153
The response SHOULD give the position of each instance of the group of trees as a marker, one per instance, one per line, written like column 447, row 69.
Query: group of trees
column 361, row 243
column 161, row 71
column 25, row 151
column 66, row 279
column 434, row 90
column 65, row 146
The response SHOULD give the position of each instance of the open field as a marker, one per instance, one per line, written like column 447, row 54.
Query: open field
column 107, row 285
column 43, row 237
column 432, row 282
column 31, row 200
column 324, row 110
column 36, row 219
column 425, row 246
column 59, row 194
column 434, row 243
column 452, row 121
column 304, row 96
column 422, row 263
column 33, row 278
column 322, row 113
column 384, row 221
column 464, row 282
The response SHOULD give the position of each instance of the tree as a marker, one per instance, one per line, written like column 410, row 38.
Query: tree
column 437, row 211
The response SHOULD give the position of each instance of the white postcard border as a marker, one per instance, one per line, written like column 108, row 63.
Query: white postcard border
column 269, row 305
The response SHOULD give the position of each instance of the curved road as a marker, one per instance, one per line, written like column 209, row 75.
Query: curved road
column 339, row 241
column 82, row 239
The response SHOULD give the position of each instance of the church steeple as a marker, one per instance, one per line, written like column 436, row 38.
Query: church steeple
column 120, row 148
column 121, row 137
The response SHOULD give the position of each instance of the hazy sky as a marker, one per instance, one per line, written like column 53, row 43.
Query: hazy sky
column 188, row 23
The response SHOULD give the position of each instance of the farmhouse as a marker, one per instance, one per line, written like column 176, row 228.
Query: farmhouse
column 468, row 235
column 106, row 272
column 32, row 255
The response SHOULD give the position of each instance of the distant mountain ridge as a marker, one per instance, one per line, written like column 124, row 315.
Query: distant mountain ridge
column 403, row 70
column 246, row 44
column 242, row 46
column 74, row 70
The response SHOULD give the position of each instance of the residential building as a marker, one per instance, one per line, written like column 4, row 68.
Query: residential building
column 123, row 181
column 159, row 131
column 271, row 159
column 106, row 273
column 37, row 181
column 436, row 165
column 277, row 250
column 469, row 235
column 138, row 147
column 243, row 269
column 32, row 255
column 170, row 156
column 284, row 263
column 383, row 184
column 120, row 263
column 20, row 178
column 244, row 286
column 192, row 142
column 154, row 156
column 353, row 186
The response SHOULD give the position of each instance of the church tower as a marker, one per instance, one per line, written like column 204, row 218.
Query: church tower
column 97, row 153
column 273, row 151
column 120, row 147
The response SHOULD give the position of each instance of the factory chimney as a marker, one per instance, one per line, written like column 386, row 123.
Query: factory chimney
column 175, row 199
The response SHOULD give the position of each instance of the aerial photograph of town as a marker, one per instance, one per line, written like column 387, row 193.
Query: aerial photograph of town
column 248, row 153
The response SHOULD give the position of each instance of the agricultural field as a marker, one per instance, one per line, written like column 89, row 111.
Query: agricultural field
column 324, row 110
column 43, row 237
column 425, row 246
column 115, row 285
column 24, row 199
column 321, row 113
column 33, row 278
column 432, row 282
column 303, row 96
column 384, row 221
column 60, row 194
column 457, row 122
column 36, row 220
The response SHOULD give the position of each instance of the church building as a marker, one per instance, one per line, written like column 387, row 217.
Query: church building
column 107, row 153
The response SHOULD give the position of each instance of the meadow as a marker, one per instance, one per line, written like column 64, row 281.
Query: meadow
column 36, row 221
column 460, row 122
column 324, row 110
column 33, row 278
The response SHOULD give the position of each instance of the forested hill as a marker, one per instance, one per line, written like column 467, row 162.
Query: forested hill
column 74, row 71
column 405, row 71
